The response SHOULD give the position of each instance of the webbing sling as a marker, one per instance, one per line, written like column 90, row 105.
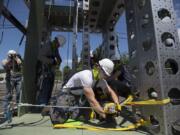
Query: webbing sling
column 128, row 102
column 88, row 127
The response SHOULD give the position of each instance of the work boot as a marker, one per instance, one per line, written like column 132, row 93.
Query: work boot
column 102, row 122
column 3, row 121
column 108, row 122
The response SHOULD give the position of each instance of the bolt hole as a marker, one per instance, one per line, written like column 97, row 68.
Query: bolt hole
column 171, row 66
column 145, row 20
column 141, row 3
column 147, row 44
column 152, row 93
column 133, row 54
column 174, row 93
column 112, row 38
column 112, row 47
column 150, row 69
column 132, row 35
column 164, row 15
column 168, row 39
column 94, row 12
column 111, row 29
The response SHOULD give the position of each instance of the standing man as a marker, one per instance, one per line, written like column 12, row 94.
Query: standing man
column 49, row 59
column 12, row 66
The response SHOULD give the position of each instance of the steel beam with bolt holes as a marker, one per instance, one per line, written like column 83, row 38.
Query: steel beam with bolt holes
column 154, row 59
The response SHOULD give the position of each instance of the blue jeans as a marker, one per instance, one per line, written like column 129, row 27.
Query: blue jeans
column 46, row 87
column 11, row 84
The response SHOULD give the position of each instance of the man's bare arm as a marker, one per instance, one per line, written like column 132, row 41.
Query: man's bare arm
column 88, row 92
column 18, row 60
column 113, row 95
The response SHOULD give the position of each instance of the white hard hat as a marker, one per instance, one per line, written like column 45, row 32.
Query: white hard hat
column 11, row 52
column 107, row 65
column 61, row 40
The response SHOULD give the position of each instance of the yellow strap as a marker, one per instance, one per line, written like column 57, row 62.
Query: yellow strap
column 130, row 127
column 150, row 102
column 129, row 99
column 92, row 115
column 95, row 73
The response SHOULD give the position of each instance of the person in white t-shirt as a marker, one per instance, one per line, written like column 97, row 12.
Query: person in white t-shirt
column 83, row 82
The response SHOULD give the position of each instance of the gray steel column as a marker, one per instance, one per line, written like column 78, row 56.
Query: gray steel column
column 33, row 41
column 109, row 34
column 154, row 59
column 86, row 45
column 1, row 5
column 109, row 44
column 86, row 33
column 46, row 32
column 75, row 32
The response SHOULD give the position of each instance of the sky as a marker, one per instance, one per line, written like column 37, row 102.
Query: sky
column 11, row 37
column 177, row 7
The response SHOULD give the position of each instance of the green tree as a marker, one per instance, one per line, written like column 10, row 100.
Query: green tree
column 58, row 74
column 79, row 66
column 66, row 72
column 97, row 53
column 124, row 60
column 2, row 71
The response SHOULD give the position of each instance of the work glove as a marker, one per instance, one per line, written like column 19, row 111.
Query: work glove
column 110, row 108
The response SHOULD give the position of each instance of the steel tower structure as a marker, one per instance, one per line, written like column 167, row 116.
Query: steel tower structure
column 153, row 47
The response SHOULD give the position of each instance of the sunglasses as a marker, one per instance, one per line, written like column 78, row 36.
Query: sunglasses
column 102, row 70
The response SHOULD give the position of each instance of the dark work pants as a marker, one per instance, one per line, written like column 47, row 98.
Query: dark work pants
column 11, row 84
column 46, row 88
